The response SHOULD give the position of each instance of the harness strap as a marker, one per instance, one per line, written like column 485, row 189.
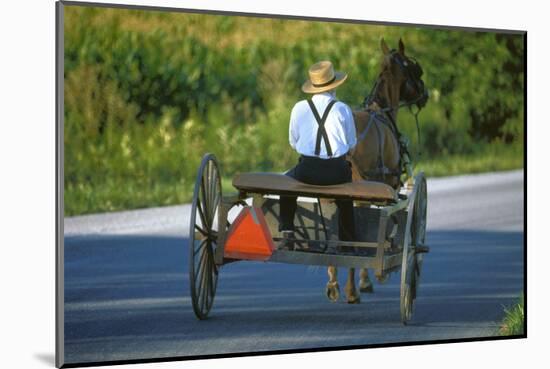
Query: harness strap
column 381, row 173
column 381, row 170
column 321, row 132
column 380, row 159
column 363, row 134
column 393, row 126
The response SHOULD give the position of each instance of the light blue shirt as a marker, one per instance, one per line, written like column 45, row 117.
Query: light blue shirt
column 339, row 126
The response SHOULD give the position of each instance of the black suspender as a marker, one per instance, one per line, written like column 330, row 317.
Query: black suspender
column 321, row 132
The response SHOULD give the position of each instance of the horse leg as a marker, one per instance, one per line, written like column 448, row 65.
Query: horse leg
column 333, row 289
column 365, row 285
column 351, row 292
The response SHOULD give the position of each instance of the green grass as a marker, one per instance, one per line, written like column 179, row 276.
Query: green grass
column 121, row 194
column 125, row 192
column 491, row 159
column 514, row 320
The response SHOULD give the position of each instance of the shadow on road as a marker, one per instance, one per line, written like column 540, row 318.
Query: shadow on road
column 128, row 297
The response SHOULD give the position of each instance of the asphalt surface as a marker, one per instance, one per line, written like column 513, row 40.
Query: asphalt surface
column 127, row 286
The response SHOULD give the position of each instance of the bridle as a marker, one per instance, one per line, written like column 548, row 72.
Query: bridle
column 413, row 72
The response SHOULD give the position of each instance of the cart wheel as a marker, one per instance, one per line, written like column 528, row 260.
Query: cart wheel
column 415, row 231
column 203, row 233
column 419, row 229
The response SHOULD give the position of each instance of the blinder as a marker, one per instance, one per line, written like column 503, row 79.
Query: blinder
column 413, row 89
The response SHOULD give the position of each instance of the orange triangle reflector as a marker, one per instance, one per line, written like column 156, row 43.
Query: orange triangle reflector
column 249, row 237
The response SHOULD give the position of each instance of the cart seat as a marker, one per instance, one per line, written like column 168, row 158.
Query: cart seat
column 280, row 184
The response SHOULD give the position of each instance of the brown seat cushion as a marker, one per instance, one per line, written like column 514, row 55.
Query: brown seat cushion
column 279, row 184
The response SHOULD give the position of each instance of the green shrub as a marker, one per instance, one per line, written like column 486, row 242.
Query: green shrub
column 148, row 93
column 514, row 319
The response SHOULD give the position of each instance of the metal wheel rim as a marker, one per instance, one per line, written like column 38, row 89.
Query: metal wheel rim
column 408, row 265
column 419, row 228
column 407, row 287
column 407, row 313
column 203, row 272
column 420, row 215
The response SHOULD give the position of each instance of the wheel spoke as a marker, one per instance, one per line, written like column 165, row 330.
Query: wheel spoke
column 213, row 198
column 201, row 260
column 200, row 265
column 201, row 245
column 209, row 175
column 202, row 215
column 216, row 199
column 216, row 207
column 202, row 231
column 209, row 287
column 215, row 270
column 205, row 203
column 210, row 274
column 213, row 273
column 213, row 195
column 210, row 178
column 200, row 277
column 204, row 284
column 213, row 189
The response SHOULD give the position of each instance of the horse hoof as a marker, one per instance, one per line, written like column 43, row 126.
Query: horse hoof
column 333, row 291
column 383, row 278
column 366, row 288
column 354, row 299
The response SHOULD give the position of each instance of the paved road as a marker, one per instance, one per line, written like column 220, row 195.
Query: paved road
column 127, row 292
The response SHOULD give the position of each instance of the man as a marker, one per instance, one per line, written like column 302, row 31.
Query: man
column 322, row 131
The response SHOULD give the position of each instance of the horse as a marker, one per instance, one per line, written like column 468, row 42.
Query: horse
column 378, row 153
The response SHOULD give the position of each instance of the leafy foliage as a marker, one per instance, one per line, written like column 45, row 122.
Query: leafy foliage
column 148, row 93
column 514, row 320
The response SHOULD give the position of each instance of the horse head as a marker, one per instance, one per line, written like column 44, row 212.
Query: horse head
column 400, row 80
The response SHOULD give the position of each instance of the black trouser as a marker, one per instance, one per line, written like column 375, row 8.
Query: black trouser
column 313, row 170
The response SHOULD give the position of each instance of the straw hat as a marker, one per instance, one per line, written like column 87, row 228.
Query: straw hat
column 322, row 77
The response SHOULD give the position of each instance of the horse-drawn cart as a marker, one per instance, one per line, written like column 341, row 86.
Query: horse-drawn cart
column 390, row 227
